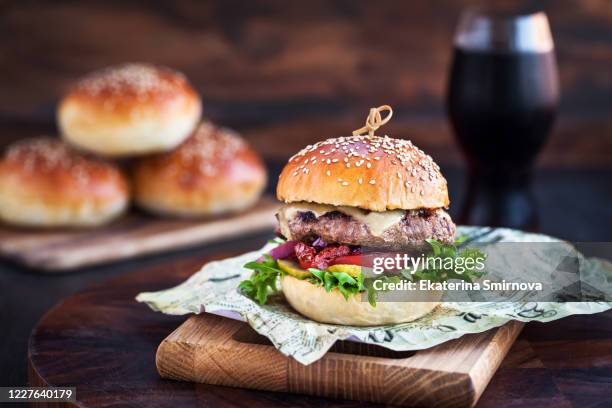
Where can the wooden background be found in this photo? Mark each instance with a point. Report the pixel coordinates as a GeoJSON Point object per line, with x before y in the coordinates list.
{"type": "Point", "coordinates": [289, 73]}
{"type": "Point", "coordinates": [286, 73]}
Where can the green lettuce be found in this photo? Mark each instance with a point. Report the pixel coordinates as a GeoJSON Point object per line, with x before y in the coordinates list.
{"type": "Point", "coordinates": [263, 281]}
{"type": "Point", "coordinates": [448, 271]}
{"type": "Point", "coordinates": [345, 283]}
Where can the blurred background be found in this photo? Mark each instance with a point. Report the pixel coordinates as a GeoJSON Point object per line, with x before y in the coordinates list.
{"type": "Point", "coordinates": [288, 74]}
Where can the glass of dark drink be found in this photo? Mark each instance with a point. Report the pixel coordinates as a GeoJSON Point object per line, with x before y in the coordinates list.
{"type": "Point", "coordinates": [503, 93]}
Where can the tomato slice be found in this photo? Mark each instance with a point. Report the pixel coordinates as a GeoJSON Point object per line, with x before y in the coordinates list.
{"type": "Point", "coordinates": [348, 260]}
{"type": "Point", "coordinates": [361, 259]}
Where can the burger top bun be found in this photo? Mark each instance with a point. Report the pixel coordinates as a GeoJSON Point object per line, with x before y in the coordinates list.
{"type": "Point", "coordinates": [315, 303]}
{"type": "Point", "coordinates": [129, 109]}
{"type": "Point", "coordinates": [370, 172]}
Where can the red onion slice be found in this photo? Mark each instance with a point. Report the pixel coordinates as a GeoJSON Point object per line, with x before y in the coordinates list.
{"type": "Point", "coordinates": [283, 250]}
{"type": "Point", "coordinates": [319, 243]}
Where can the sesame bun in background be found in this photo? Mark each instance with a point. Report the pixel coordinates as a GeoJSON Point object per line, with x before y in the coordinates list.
{"type": "Point", "coordinates": [45, 183]}
{"type": "Point", "coordinates": [213, 172]}
{"type": "Point", "coordinates": [370, 172]}
{"type": "Point", "coordinates": [130, 109]}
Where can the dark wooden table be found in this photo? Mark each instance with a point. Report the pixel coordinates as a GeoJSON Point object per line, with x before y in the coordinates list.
{"type": "Point", "coordinates": [566, 363]}
{"type": "Point", "coordinates": [103, 343]}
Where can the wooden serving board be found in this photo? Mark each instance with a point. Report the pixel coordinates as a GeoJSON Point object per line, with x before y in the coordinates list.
{"type": "Point", "coordinates": [215, 350]}
{"type": "Point", "coordinates": [133, 235]}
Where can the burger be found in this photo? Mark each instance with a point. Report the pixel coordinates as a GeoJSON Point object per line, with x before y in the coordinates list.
{"type": "Point", "coordinates": [342, 197]}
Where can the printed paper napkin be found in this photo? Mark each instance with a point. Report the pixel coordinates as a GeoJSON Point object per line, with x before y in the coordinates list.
{"type": "Point", "coordinates": [213, 290]}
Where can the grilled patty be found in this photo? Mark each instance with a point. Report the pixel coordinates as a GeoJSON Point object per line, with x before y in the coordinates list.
{"type": "Point", "coordinates": [408, 233]}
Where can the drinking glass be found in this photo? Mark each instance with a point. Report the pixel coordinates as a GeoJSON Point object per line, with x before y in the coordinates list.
{"type": "Point", "coordinates": [503, 93]}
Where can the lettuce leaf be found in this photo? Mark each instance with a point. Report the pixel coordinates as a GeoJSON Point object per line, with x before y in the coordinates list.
{"type": "Point", "coordinates": [345, 283]}
{"type": "Point", "coordinates": [444, 254]}
{"type": "Point", "coordinates": [263, 282]}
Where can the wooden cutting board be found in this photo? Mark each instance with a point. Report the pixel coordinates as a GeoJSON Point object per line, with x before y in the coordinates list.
{"type": "Point", "coordinates": [215, 350]}
{"type": "Point", "coordinates": [133, 235]}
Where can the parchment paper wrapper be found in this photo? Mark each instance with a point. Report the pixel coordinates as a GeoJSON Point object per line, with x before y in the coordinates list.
{"type": "Point", "coordinates": [213, 290]}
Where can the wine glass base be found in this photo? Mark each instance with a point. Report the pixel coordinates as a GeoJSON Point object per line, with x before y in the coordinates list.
{"type": "Point", "coordinates": [511, 208]}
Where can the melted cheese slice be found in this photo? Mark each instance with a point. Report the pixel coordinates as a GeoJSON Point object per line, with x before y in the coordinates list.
{"type": "Point", "coordinates": [377, 222]}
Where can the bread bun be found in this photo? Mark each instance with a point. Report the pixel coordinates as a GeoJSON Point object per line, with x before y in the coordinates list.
{"type": "Point", "coordinates": [45, 183]}
{"type": "Point", "coordinates": [330, 307]}
{"type": "Point", "coordinates": [129, 109]}
{"type": "Point", "coordinates": [370, 172]}
{"type": "Point", "coordinates": [212, 172]}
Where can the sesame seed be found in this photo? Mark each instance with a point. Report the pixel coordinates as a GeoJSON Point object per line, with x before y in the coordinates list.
{"type": "Point", "coordinates": [372, 181]}
{"type": "Point", "coordinates": [328, 173]}
{"type": "Point", "coordinates": [345, 183]}
{"type": "Point", "coordinates": [51, 154]}
{"type": "Point", "coordinates": [367, 148]}
{"type": "Point", "coordinates": [348, 165]}
{"type": "Point", "coordinates": [208, 142]}
{"type": "Point", "coordinates": [360, 180]}
{"type": "Point", "coordinates": [141, 79]}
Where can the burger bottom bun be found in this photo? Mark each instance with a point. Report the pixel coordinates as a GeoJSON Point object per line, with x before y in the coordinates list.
{"type": "Point", "coordinates": [21, 206]}
{"type": "Point", "coordinates": [330, 307]}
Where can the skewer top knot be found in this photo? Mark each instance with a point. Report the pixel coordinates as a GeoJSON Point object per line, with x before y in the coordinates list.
{"type": "Point", "coordinates": [374, 120]}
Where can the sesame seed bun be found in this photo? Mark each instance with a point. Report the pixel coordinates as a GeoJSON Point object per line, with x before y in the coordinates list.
{"type": "Point", "coordinates": [369, 172]}
{"type": "Point", "coordinates": [330, 307]}
{"type": "Point", "coordinates": [45, 183]}
{"type": "Point", "coordinates": [212, 172]}
{"type": "Point", "coordinates": [129, 109]}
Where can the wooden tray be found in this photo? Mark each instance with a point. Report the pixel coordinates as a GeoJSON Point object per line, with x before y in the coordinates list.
{"type": "Point", "coordinates": [214, 350]}
{"type": "Point", "coordinates": [133, 235]}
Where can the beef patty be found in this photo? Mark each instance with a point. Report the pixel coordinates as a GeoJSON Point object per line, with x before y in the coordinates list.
{"type": "Point", "coordinates": [409, 232]}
